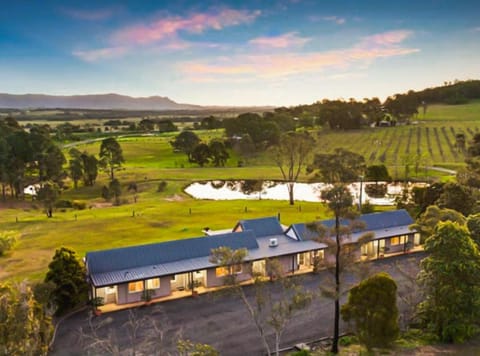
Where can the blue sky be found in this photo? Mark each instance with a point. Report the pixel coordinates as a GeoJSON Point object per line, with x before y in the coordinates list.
{"type": "Point", "coordinates": [248, 52]}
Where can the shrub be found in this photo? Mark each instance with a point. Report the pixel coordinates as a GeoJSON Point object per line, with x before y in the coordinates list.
{"type": "Point", "coordinates": [162, 186]}
{"type": "Point", "coordinates": [65, 204]}
{"type": "Point", "coordinates": [347, 340]}
{"type": "Point", "coordinates": [372, 307]}
{"type": "Point", "coordinates": [79, 205]}
{"type": "Point", "coordinates": [7, 241]}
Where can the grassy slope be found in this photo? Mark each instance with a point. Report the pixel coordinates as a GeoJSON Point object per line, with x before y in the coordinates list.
{"type": "Point", "coordinates": [159, 217]}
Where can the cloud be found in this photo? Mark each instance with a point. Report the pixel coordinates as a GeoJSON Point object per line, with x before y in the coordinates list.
{"type": "Point", "coordinates": [335, 19]}
{"type": "Point", "coordinates": [290, 39]}
{"type": "Point", "coordinates": [386, 38]}
{"type": "Point", "coordinates": [99, 54]}
{"type": "Point", "coordinates": [171, 26]}
{"type": "Point", "coordinates": [476, 29]}
{"type": "Point", "coordinates": [90, 15]}
{"type": "Point", "coordinates": [369, 48]}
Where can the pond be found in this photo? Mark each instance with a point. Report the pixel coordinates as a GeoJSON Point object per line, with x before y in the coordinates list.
{"type": "Point", "coordinates": [254, 190]}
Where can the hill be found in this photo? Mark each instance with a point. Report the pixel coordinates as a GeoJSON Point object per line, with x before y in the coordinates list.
{"type": "Point", "coordinates": [94, 101]}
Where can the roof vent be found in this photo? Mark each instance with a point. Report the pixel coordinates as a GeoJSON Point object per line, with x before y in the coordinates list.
{"type": "Point", "coordinates": [273, 242]}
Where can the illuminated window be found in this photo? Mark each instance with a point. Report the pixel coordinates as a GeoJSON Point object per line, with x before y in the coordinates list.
{"type": "Point", "coordinates": [153, 283]}
{"type": "Point", "coordinates": [221, 271]}
{"type": "Point", "coordinates": [198, 273]}
{"type": "Point", "coordinates": [134, 287]}
{"type": "Point", "coordinates": [395, 241]}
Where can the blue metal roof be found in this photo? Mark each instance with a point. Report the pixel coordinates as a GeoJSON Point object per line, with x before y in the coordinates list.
{"type": "Point", "coordinates": [262, 227]}
{"type": "Point", "coordinates": [160, 253]}
{"type": "Point", "coordinates": [375, 221]}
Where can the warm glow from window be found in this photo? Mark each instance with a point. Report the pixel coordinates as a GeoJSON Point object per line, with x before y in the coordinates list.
{"type": "Point", "coordinates": [134, 287]}
{"type": "Point", "coordinates": [221, 271]}
{"type": "Point", "coordinates": [394, 241]}
{"type": "Point", "coordinates": [153, 283]}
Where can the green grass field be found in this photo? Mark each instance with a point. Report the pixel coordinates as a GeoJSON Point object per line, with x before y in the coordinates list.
{"type": "Point", "coordinates": [172, 214]}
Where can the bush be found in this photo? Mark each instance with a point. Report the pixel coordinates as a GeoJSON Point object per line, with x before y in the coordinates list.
{"type": "Point", "coordinates": [162, 186]}
{"type": "Point", "coordinates": [347, 340]}
{"type": "Point", "coordinates": [79, 205]}
{"type": "Point", "coordinates": [300, 353]}
{"type": "Point", "coordinates": [65, 204]}
{"type": "Point", "coordinates": [7, 241]}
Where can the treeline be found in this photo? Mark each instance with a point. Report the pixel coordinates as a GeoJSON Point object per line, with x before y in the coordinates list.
{"type": "Point", "coordinates": [27, 157]}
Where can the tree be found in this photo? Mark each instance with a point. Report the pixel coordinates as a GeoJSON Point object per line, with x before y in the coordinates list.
{"type": "Point", "coordinates": [340, 166]}
{"type": "Point", "coordinates": [115, 190]}
{"type": "Point", "coordinates": [186, 142]}
{"type": "Point", "coordinates": [25, 329]}
{"type": "Point", "coordinates": [450, 278]}
{"type": "Point", "coordinates": [291, 155]}
{"type": "Point", "coordinates": [146, 125]}
{"type": "Point", "coordinates": [377, 173]}
{"type": "Point", "coordinates": [48, 194]}
{"type": "Point", "coordinates": [372, 307]}
{"type": "Point", "coordinates": [111, 156]}
{"type": "Point", "coordinates": [458, 197]}
{"type": "Point", "coordinates": [68, 275]}
{"type": "Point", "coordinates": [201, 154]}
{"type": "Point", "coordinates": [426, 222]}
{"type": "Point", "coordinates": [7, 241]}
{"type": "Point", "coordinates": [473, 224]}
{"type": "Point", "coordinates": [218, 153]}
{"type": "Point", "coordinates": [90, 169]}
{"type": "Point", "coordinates": [75, 166]}
{"type": "Point", "coordinates": [340, 202]}
{"type": "Point", "coordinates": [266, 310]}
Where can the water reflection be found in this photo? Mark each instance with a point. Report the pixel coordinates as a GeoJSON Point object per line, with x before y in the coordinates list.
{"type": "Point", "coordinates": [258, 189]}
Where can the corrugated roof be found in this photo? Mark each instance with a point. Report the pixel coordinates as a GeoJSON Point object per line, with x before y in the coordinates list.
{"type": "Point", "coordinates": [165, 252]}
{"type": "Point", "coordinates": [385, 223]}
{"type": "Point", "coordinates": [262, 227]}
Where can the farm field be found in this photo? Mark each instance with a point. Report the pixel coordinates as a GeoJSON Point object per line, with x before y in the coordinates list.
{"type": "Point", "coordinates": [171, 214]}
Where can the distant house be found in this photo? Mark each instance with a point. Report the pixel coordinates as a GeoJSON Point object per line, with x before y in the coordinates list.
{"type": "Point", "coordinates": [121, 275]}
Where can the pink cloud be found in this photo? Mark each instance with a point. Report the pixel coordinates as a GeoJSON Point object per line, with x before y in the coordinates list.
{"type": "Point", "coordinates": [290, 39]}
{"type": "Point", "coordinates": [386, 38]}
{"type": "Point", "coordinates": [336, 19]}
{"type": "Point", "coordinates": [99, 54]}
{"type": "Point", "coordinates": [90, 15]}
{"type": "Point", "coordinates": [171, 26]}
{"type": "Point", "coordinates": [279, 65]}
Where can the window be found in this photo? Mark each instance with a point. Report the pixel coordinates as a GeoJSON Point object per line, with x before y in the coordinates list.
{"type": "Point", "coordinates": [153, 283]}
{"type": "Point", "coordinates": [237, 269]}
{"type": "Point", "coordinates": [395, 241]}
{"type": "Point", "coordinates": [221, 271]}
{"type": "Point", "coordinates": [301, 259]}
{"type": "Point", "coordinates": [174, 278]}
{"type": "Point", "coordinates": [134, 287]}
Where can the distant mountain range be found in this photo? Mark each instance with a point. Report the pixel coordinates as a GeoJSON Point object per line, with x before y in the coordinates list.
{"type": "Point", "coordinates": [95, 101]}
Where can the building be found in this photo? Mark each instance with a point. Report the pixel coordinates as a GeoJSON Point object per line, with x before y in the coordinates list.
{"type": "Point", "coordinates": [125, 275]}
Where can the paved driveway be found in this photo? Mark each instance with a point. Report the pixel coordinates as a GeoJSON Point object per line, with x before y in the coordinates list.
{"type": "Point", "coordinates": [218, 319]}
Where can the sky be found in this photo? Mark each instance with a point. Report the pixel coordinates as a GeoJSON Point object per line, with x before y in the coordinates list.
{"type": "Point", "coordinates": [237, 53]}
